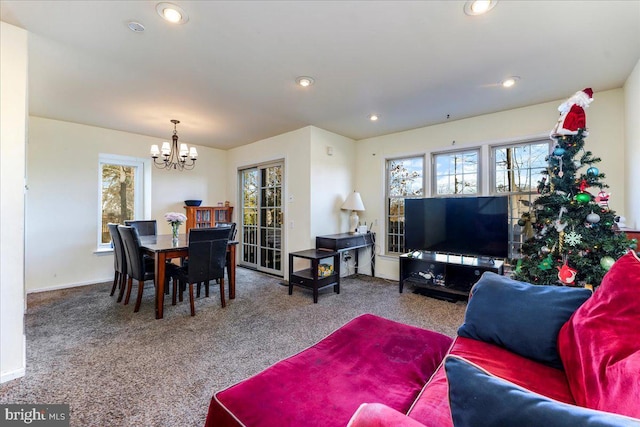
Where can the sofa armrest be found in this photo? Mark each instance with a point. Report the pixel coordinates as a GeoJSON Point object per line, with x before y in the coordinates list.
{"type": "Point", "coordinates": [379, 415]}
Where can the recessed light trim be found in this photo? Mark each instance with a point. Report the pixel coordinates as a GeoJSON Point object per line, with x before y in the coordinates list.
{"type": "Point", "coordinates": [510, 81]}
{"type": "Point", "coordinates": [172, 13]}
{"type": "Point", "coordinates": [305, 81]}
{"type": "Point", "coordinates": [136, 27]}
{"type": "Point", "coordinates": [479, 7]}
{"type": "Point", "coordinates": [374, 117]}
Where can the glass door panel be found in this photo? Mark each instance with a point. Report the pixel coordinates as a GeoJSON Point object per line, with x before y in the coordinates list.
{"type": "Point", "coordinates": [262, 217]}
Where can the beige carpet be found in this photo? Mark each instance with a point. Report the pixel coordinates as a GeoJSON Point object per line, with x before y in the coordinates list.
{"type": "Point", "coordinates": [119, 368]}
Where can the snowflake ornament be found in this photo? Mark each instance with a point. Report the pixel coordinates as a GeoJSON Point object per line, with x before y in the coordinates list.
{"type": "Point", "coordinates": [573, 239]}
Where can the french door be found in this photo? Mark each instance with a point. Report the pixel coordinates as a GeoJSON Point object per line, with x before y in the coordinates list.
{"type": "Point", "coordinates": [260, 218]}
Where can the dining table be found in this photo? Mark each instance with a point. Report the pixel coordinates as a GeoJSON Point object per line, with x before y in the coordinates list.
{"type": "Point", "coordinates": [164, 247]}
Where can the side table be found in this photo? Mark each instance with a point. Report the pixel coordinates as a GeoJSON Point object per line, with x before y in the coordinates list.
{"type": "Point", "coordinates": [310, 277]}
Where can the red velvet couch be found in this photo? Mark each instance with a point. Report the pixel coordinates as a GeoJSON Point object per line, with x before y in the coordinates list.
{"type": "Point", "coordinates": [526, 355]}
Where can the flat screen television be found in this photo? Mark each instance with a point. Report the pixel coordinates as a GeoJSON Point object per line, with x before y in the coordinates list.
{"type": "Point", "coordinates": [475, 226]}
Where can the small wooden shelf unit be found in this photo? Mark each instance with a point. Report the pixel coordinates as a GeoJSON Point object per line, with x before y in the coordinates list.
{"type": "Point", "coordinates": [207, 216]}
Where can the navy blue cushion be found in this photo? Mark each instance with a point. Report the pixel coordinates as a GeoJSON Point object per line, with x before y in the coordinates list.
{"type": "Point", "coordinates": [479, 399]}
{"type": "Point", "coordinates": [519, 316]}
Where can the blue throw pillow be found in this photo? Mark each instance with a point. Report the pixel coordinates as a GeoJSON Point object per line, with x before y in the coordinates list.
{"type": "Point", "coordinates": [519, 316]}
{"type": "Point", "coordinates": [479, 399]}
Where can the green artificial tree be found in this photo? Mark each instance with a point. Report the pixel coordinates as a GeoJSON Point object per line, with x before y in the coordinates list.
{"type": "Point", "coordinates": [573, 238]}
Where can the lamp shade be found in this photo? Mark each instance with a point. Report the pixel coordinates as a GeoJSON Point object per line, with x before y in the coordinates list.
{"type": "Point", "coordinates": [353, 202]}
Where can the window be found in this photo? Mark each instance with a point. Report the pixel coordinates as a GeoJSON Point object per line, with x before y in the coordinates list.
{"type": "Point", "coordinates": [517, 170]}
{"type": "Point", "coordinates": [121, 193]}
{"type": "Point", "coordinates": [405, 179]}
{"type": "Point", "coordinates": [456, 172]}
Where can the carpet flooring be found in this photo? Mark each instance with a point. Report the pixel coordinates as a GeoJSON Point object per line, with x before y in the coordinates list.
{"type": "Point", "coordinates": [115, 367]}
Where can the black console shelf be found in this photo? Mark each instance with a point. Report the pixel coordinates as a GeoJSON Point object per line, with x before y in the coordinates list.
{"type": "Point", "coordinates": [444, 276]}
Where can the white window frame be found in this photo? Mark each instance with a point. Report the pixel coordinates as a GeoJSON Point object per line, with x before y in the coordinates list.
{"type": "Point", "coordinates": [434, 172]}
{"type": "Point", "coordinates": [388, 195]}
{"type": "Point", "coordinates": [527, 197]}
{"type": "Point", "coordinates": [142, 187]}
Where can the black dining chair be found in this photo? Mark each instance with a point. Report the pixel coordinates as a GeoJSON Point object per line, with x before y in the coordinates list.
{"type": "Point", "coordinates": [119, 261]}
{"type": "Point", "coordinates": [232, 238]}
{"type": "Point", "coordinates": [207, 256]}
{"type": "Point", "coordinates": [139, 267]}
{"type": "Point", "coordinates": [145, 227]}
{"type": "Point", "coordinates": [232, 229]}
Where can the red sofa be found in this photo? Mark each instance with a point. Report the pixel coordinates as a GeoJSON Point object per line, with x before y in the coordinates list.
{"type": "Point", "coordinates": [525, 355]}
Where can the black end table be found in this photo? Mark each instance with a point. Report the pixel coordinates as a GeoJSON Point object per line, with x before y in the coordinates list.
{"type": "Point", "coordinates": [311, 278]}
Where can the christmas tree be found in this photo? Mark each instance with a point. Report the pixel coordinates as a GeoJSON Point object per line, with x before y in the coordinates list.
{"type": "Point", "coordinates": [573, 238]}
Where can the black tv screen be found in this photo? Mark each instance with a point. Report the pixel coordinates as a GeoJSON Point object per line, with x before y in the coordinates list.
{"type": "Point", "coordinates": [462, 225]}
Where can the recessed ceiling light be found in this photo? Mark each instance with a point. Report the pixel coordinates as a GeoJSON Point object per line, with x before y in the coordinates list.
{"type": "Point", "coordinates": [509, 82]}
{"type": "Point", "coordinates": [172, 13]}
{"type": "Point", "coordinates": [373, 117]}
{"type": "Point", "coordinates": [479, 7]}
{"type": "Point", "coordinates": [305, 81]}
{"type": "Point", "coordinates": [136, 27]}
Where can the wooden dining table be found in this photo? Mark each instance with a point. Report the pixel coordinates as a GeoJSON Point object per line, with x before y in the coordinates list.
{"type": "Point", "coordinates": [163, 248]}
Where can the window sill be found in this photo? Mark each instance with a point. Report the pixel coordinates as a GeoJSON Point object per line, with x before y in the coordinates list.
{"type": "Point", "coordinates": [103, 251]}
{"type": "Point", "coordinates": [389, 256]}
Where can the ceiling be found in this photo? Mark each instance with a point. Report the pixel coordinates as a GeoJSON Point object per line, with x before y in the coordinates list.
{"type": "Point", "coordinates": [228, 74]}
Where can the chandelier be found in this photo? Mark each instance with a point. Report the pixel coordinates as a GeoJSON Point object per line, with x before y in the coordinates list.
{"type": "Point", "coordinates": [172, 158]}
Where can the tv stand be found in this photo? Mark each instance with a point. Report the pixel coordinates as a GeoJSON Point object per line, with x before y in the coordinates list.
{"type": "Point", "coordinates": [444, 276]}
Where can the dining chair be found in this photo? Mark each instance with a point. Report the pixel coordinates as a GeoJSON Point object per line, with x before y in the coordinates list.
{"type": "Point", "coordinates": [145, 227]}
{"type": "Point", "coordinates": [119, 261]}
{"type": "Point", "coordinates": [207, 256]}
{"type": "Point", "coordinates": [231, 226]}
{"type": "Point", "coordinates": [139, 267]}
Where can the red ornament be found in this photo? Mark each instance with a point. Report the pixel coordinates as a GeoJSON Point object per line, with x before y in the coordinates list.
{"type": "Point", "coordinates": [566, 274]}
{"type": "Point", "coordinates": [583, 184]}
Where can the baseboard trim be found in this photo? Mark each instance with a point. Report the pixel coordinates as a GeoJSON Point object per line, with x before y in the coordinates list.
{"type": "Point", "coordinates": [12, 375]}
{"type": "Point", "coordinates": [67, 286]}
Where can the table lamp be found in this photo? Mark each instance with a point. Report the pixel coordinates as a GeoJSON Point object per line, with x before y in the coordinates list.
{"type": "Point", "coordinates": [354, 204]}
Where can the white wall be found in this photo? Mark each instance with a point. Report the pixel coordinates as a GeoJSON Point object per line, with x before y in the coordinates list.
{"type": "Point", "coordinates": [332, 179]}
{"type": "Point", "coordinates": [315, 183]}
{"type": "Point", "coordinates": [13, 126]}
{"type": "Point", "coordinates": [62, 201]}
{"type": "Point", "coordinates": [294, 149]}
{"type": "Point", "coordinates": [606, 140]}
{"type": "Point", "coordinates": [632, 137]}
